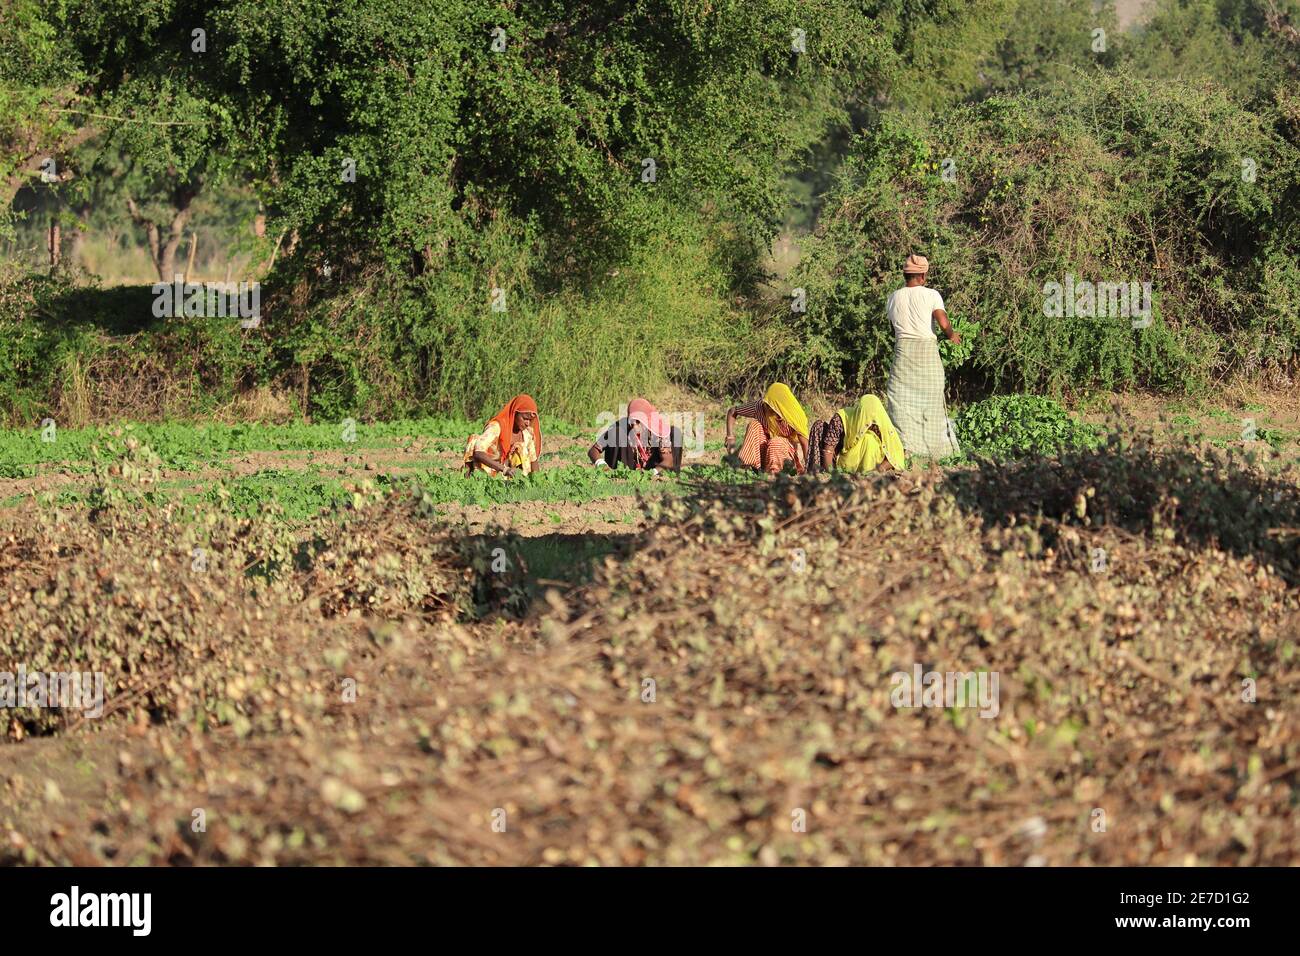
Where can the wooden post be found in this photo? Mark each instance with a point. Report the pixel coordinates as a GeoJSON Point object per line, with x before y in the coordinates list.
{"type": "Point", "coordinates": [194, 244]}
{"type": "Point", "coordinates": [55, 241]}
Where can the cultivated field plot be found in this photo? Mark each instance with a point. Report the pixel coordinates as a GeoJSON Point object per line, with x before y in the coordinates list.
{"type": "Point", "coordinates": [318, 651]}
{"type": "Point", "coordinates": [301, 469]}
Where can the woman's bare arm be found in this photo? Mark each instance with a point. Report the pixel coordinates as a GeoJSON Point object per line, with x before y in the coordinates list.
{"type": "Point", "coordinates": [752, 410]}
{"type": "Point", "coordinates": [483, 458]}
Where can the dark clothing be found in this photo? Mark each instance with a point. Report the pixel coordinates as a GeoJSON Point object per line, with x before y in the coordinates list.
{"type": "Point", "coordinates": [661, 449]}
{"type": "Point", "coordinates": [822, 437]}
{"type": "Point", "coordinates": [659, 457]}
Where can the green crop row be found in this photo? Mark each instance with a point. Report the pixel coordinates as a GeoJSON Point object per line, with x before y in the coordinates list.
{"type": "Point", "coordinates": [185, 445]}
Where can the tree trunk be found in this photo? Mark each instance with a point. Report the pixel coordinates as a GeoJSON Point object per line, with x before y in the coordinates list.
{"type": "Point", "coordinates": [275, 252]}
{"type": "Point", "coordinates": [167, 260]}
{"type": "Point", "coordinates": [55, 243]}
{"type": "Point", "coordinates": [162, 248]}
{"type": "Point", "coordinates": [77, 248]}
{"type": "Point", "coordinates": [150, 231]}
{"type": "Point", "coordinates": [194, 245]}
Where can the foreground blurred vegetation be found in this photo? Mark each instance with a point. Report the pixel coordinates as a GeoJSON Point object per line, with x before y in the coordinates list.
{"type": "Point", "coordinates": [230, 631]}
{"type": "Point", "coordinates": [447, 206]}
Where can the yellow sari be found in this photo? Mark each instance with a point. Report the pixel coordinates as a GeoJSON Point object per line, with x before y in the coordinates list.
{"type": "Point", "coordinates": [781, 401]}
{"type": "Point", "coordinates": [865, 448]}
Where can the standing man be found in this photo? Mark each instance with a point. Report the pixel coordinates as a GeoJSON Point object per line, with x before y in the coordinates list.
{"type": "Point", "coordinates": [915, 393]}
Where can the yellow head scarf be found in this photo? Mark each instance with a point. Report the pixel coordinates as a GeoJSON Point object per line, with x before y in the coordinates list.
{"type": "Point", "coordinates": [780, 401]}
{"type": "Point", "coordinates": [863, 451]}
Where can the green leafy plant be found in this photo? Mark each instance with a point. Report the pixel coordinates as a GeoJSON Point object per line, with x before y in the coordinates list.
{"type": "Point", "coordinates": [1010, 426]}
{"type": "Point", "coordinates": [954, 356]}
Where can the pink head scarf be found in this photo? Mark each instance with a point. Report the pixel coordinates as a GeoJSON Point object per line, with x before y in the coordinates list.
{"type": "Point", "coordinates": [641, 411]}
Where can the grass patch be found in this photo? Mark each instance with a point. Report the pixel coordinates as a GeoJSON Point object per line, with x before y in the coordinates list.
{"type": "Point", "coordinates": [570, 558]}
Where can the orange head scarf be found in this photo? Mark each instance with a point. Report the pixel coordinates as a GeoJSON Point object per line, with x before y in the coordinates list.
{"type": "Point", "coordinates": [506, 419]}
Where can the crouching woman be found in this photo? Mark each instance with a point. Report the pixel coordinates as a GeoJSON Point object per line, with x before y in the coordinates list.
{"type": "Point", "coordinates": [858, 439]}
{"type": "Point", "coordinates": [510, 443]}
{"type": "Point", "coordinates": [777, 435]}
{"type": "Point", "coordinates": [640, 440]}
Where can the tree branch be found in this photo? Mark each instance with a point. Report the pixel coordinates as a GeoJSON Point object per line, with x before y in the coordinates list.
{"type": "Point", "coordinates": [131, 119]}
{"type": "Point", "coordinates": [33, 157]}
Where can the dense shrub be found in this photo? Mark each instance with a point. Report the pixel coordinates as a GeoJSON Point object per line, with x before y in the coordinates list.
{"type": "Point", "coordinates": [30, 354]}
{"type": "Point", "coordinates": [1107, 179]}
{"type": "Point", "coordinates": [436, 343]}
{"type": "Point", "coordinates": [411, 159]}
{"type": "Point", "coordinates": [1228, 42]}
{"type": "Point", "coordinates": [389, 346]}
{"type": "Point", "coordinates": [79, 354]}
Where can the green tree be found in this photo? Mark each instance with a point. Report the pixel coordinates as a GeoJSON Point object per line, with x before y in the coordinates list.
{"type": "Point", "coordinates": [432, 154]}
{"type": "Point", "coordinates": [40, 77]}
{"type": "Point", "coordinates": [1250, 46]}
